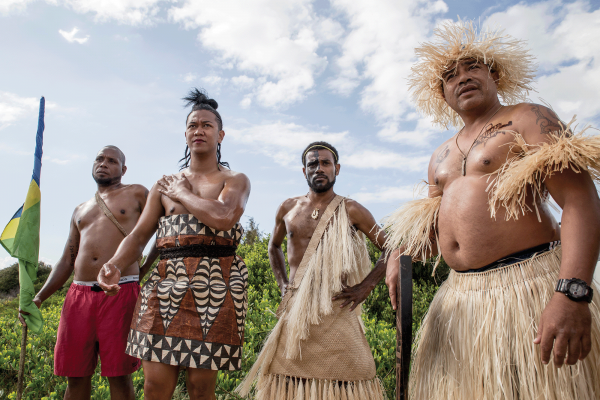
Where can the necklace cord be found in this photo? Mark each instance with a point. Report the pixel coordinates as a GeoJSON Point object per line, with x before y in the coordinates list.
{"type": "Point", "coordinates": [464, 163]}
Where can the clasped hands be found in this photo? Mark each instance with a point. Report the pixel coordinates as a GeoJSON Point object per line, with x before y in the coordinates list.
{"type": "Point", "coordinates": [174, 186]}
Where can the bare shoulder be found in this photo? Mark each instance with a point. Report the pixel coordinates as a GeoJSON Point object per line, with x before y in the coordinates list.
{"type": "Point", "coordinates": [356, 211]}
{"type": "Point", "coordinates": [236, 178]}
{"type": "Point", "coordinates": [288, 204]}
{"type": "Point", "coordinates": [535, 121]}
{"type": "Point", "coordinates": [440, 153]}
{"type": "Point", "coordinates": [138, 190]}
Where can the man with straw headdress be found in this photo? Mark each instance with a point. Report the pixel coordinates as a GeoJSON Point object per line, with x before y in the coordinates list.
{"type": "Point", "coordinates": [515, 294]}
{"type": "Point", "coordinates": [318, 349]}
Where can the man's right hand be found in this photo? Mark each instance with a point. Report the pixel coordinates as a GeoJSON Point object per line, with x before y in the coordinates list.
{"type": "Point", "coordinates": [108, 279]}
{"type": "Point", "coordinates": [391, 276]}
{"type": "Point", "coordinates": [35, 301]}
{"type": "Point", "coordinates": [283, 289]}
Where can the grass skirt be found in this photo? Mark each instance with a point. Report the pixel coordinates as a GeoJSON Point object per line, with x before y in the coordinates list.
{"type": "Point", "coordinates": [476, 341]}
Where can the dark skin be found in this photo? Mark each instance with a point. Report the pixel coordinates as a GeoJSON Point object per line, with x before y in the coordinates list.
{"type": "Point", "coordinates": [294, 219]}
{"type": "Point", "coordinates": [92, 240]}
{"type": "Point", "coordinates": [470, 238]}
{"type": "Point", "coordinates": [217, 197]}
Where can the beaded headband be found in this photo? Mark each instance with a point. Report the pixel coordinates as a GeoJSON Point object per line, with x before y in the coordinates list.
{"type": "Point", "coordinates": [320, 145]}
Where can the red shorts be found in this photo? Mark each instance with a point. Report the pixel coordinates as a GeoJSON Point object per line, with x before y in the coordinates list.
{"type": "Point", "coordinates": [92, 324]}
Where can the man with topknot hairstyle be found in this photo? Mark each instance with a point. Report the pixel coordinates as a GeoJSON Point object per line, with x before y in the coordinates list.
{"type": "Point", "coordinates": [191, 312]}
{"type": "Point", "coordinates": [514, 295]}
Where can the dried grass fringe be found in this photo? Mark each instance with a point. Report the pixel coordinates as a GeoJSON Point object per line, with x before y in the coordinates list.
{"type": "Point", "coordinates": [476, 341]}
{"type": "Point", "coordinates": [279, 387]}
{"type": "Point", "coordinates": [457, 41]}
{"type": "Point", "coordinates": [412, 225]}
{"type": "Point", "coordinates": [532, 164]}
{"type": "Point", "coordinates": [341, 253]}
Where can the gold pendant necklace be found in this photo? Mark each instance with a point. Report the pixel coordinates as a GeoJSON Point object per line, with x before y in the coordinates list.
{"type": "Point", "coordinates": [464, 161]}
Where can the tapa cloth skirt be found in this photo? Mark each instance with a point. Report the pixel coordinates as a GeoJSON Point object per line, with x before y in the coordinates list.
{"type": "Point", "coordinates": [191, 311]}
{"type": "Point", "coordinates": [476, 341]}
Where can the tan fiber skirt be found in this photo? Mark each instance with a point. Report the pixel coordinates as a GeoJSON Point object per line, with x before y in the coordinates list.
{"type": "Point", "coordinates": [335, 364]}
{"type": "Point", "coordinates": [476, 341]}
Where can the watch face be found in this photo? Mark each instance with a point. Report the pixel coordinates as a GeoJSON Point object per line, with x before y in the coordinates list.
{"type": "Point", "coordinates": [576, 290]}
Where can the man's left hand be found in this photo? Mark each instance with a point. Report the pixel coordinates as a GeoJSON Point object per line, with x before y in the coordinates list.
{"type": "Point", "coordinates": [354, 294]}
{"type": "Point", "coordinates": [566, 326]}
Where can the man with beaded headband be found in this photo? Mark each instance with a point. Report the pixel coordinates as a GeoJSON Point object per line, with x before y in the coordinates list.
{"type": "Point", "coordinates": [516, 299]}
{"type": "Point", "coordinates": [318, 349]}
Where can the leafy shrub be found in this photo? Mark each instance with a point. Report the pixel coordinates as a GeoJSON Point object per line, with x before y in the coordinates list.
{"type": "Point", "coordinates": [263, 299]}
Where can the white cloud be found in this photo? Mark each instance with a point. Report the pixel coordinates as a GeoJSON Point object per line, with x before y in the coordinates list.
{"type": "Point", "coordinates": [7, 261]}
{"type": "Point", "coordinates": [243, 81]}
{"type": "Point", "coordinates": [568, 55]}
{"type": "Point", "coordinates": [13, 107]}
{"type": "Point", "coordinates": [8, 6]}
{"type": "Point", "coordinates": [283, 142]}
{"type": "Point", "coordinates": [378, 158]}
{"type": "Point", "coordinates": [213, 80]}
{"type": "Point", "coordinates": [189, 77]}
{"type": "Point", "coordinates": [386, 195]}
{"type": "Point", "coordinates": [270, 39]}
{"type": "Point", "coordinates": [70, 36]}
{"type": "Point", "coordinates": [132, 12]}
{"type": "Point", "coordinates": [246, 102]}
{"type": "Point", "coordinates": [378, 51]}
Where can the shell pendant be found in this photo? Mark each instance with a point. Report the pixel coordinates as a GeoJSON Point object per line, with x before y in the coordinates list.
{"type": "Point", "coordinates": [315, 213]}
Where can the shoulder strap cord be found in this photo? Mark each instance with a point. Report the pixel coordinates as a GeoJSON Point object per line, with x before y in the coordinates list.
{"type": "Point", "coordinates": [110, 216]}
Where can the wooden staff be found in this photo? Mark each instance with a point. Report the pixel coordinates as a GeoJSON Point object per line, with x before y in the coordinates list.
{"type": "Point", "coordinates": [403, 327]}
{"type": "Point", "coordinates": [22, 359]}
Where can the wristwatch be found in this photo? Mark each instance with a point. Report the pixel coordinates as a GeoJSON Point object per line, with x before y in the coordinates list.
{"type": "Point", "coordinates": [575, 289]}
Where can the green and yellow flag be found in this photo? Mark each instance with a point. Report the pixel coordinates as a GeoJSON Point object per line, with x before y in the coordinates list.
{"type": "Point", "coordinates": [21, 237]}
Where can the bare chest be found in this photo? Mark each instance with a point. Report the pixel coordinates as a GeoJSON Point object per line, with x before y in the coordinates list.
{"type": "Point", "coordinates": [471, 157]}
{"type": "Point", "coordinates": [125, 209]}
{"type": "Point", "coordinates": [301, 223]}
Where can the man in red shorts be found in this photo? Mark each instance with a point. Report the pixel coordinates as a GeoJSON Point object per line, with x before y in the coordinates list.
{"type": "Point", "coordinates": [93, 324]}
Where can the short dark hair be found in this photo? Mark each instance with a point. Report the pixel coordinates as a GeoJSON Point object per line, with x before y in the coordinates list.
{"type": "Point", "coordinates": [118, 150]}
{"type": "Point", "coordinates": [320, 146]}
{"type": "Point", "coordinates": [199, 100]}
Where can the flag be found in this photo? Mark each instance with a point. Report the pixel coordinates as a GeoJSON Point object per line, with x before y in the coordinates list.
{"type": "Point", "coordinates": [21, 237]}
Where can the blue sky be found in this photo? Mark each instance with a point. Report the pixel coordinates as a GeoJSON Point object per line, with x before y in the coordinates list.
{"type": "Point", "coordinates": [285, 73]}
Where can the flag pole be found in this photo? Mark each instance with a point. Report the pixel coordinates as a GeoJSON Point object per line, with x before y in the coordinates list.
{"type": "Point", "coordinates": [22, 359]}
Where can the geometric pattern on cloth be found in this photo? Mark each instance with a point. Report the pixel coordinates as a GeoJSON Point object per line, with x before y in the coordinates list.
{"type": "Point", "coordinates": [209, 290]}
{"type": "Point", "coordinates": [172, 289]}
{"type": "Point", "coordinates": [184, 352]}
{"type": "Point", "coordinates": [187, 224]}
{"type": "Point", "coordinates": [146, 291]}
{"type": "Point", "coordinates": [238, 282]}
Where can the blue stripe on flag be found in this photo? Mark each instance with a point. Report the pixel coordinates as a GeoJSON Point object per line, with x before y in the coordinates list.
{"type": "Point", "coordinates": [39, 139]}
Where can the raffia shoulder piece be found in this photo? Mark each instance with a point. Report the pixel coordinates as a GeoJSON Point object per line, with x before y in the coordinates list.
{"type": "Point", "coordinates": [413, 225]}
{"type": "Point", "coordinates": [532, 164]}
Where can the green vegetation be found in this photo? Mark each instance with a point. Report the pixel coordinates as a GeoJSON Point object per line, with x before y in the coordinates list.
{"type": "Point", "coordinates": [263, 299]}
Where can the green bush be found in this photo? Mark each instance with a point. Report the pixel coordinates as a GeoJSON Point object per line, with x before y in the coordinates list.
{"type": "Point", "coordinates": [263, 299]}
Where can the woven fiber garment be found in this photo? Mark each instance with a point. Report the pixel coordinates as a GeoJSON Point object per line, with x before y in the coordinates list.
{"type": "Point", "coordinates": [476, 341]}
{"type": "Point", "coordinates": [191, 311]}
{"type": "Point", "coordinates": [317, 350]}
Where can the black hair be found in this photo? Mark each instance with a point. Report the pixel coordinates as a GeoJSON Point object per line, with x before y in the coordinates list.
{"type": "Point", "coordinates": [198, 99]}
{"type": "Point", "coordinates": [320, 146]}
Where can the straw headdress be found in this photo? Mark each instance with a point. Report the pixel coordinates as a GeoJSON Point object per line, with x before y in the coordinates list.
{"type": "Point", "coordinates": [460, 40]}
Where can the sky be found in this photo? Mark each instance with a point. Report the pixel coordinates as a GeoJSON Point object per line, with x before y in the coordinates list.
{"type": "Point", "coordinates": [285, 73]}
